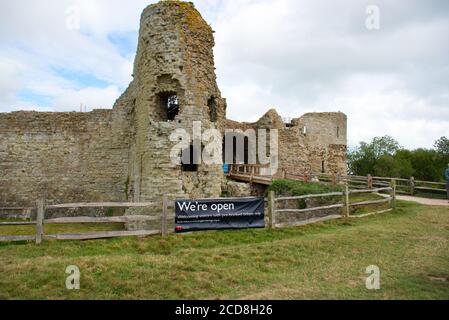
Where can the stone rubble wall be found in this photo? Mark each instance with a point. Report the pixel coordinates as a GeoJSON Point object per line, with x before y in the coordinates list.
{"type": "Point", "coordinates": [175, 55]}
{"type": "Point", "coordinates": [303, 151]}
{"type": "Point", "coordinates": [65, 157]}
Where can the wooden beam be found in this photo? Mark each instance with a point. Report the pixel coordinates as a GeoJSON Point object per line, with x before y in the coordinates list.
{"type": "Point", "coordinates": [393, 194]}
{"type": "Point", "coordinates": [164, 220]}
{"type": "Point", "coordinates": [271, 210]}
{"type": "Point", "coordinates": [16, 238]}
{"type": "Point", "coordinates": [82, 220]}
{"type": "Point", "coordinates": [307, 196]}
{"type": "Point", "coordinates": [364, 203]}
{"type": "Point", "coordinates": [429, 182]}
{"type": "Point", "coordinates": [101, 235]}
{"type": "Point", "coordinates": [370, 191]}
{"type": "Point", "coordinates": [39, 220]}
{"type": "Point", "coordinates": [18, 223]}
{"type": "Point", "coordinates": [371, 213]}
{"type": "Point", "coordinates": [104, 205]}
{"type": "Point", "coordinates": [429, 189]}
{"type": "Point", "coordinates": [309, 209]}
{"type": "Point", "coordinates": [308, 221]}
{"type": "Point", "coordinates": [346, 208]}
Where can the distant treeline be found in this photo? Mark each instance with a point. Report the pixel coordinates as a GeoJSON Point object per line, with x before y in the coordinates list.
{"type": "Point", "coordinates": [383, 156]}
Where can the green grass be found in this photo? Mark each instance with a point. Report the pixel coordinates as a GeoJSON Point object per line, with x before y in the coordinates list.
{"type": "Point", "coordinates": [58, 228]}
{"type": "Point", "coordinates": [299, 188]}
{"type": "Point", "coordinates": [286, 188]}
{"type": "Point", "coordinates": [322, 261]}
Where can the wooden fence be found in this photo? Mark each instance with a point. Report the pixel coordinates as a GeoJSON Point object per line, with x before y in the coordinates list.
{"type": "Point", "coordinates": [404, 186]}
{"type": "Point", "coordinates": [273, 211]}
{"type": "Point", "coordinates": [40, 221]}
{"type": "Point", "coordinates": [260, 174]}
{"type": "Point", "coordinates": [344, 205]}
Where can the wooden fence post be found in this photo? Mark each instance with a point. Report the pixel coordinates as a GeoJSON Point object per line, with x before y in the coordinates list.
{"type": "Point", "coordinates": [40, 220]}
{"type": "Point", "coordinates": [370, 181]}
{"type": "Point", "coordinates": [345, 208]}
{"type": "Point", "coordinates": [271, 210]}
{"type": "Point", "coordinates": [412, 186]}
{"type": "Point", "coordinates": [164, 224]}
{"type": "Point", "coordinates": [393, 194]}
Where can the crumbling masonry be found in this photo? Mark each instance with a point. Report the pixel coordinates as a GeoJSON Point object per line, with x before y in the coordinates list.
{"type": "Point", "coordinates": [123, 154]}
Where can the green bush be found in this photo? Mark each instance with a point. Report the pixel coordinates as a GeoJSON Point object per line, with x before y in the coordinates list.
{"type": "Point", "coordinates": [299, 188]}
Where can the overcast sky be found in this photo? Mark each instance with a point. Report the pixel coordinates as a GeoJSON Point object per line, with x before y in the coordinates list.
{"type": "Point", "coordinates": [296, 55]}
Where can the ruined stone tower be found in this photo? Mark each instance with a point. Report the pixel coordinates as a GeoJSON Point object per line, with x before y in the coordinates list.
{"type": "Point", "coordinates": [174, 85]}
{"type": "Point", "coordinates": [123, 154]}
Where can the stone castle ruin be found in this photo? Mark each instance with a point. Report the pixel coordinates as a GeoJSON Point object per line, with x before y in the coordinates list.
{"type": "Point", "coordinates": [123, 154]}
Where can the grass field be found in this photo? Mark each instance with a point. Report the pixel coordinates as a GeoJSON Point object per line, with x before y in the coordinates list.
{"type": "Point", "coordinates": [323, 261]}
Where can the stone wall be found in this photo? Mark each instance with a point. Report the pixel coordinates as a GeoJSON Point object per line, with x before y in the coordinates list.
{"type": "Point", "coordinates": [174, 57]}
{"type": "Point", "coordinates": [308, 144]}
{"type": "Point", "coordinates": [63, 156]}
{"type": "Point", "coordinates": [325, 134]}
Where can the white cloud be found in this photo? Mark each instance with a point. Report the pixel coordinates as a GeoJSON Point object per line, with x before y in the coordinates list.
{"type": "Point", "coordinates": [92, 98]}
{"type": "Point", "coordinates": [9, 82]}
{"type": "Point", "coordinates": [297, 56]}
{"type": "Point", "coordinates": [318, 56]}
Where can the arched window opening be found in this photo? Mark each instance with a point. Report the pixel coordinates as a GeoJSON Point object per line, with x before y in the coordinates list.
{"type": "Point", "coordinates": [169, 103]}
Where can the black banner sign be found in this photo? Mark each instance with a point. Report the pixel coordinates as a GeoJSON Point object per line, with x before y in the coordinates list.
{"type": "Point", "coordinates": [232, 213]}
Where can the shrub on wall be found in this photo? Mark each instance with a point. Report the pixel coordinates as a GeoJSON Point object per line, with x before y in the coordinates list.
{"type": "Point", "coordinates": [288, 188]}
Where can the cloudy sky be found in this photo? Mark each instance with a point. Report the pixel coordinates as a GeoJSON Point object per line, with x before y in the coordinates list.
{"type": "Point", "coordinates": [296, 55]}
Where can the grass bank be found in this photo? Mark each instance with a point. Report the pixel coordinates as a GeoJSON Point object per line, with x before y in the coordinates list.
{"type": "Point", "coordinates": [323, 261]}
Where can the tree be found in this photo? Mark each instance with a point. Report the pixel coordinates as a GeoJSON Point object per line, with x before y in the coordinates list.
{"type": "Point", "coordinates": [384, 157]}
{"type": "Point", "coordinates": [426, 165]}
{"type": "Point", "coordinates": [442, 149]}
{"type": "Point", "coordinates": [385, 145]}
{"type": "Point", "coordinates": [403, 163]}
{"type": "Point", "coordinates": [362, 160]}
{"type": "Point", "coordinates": [386, 167]}
{"type": "Point", "coordinates": [442, 146]}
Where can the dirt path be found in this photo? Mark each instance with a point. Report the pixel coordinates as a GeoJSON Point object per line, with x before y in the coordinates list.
{"type": "Point", "coordinates": [426, 201]}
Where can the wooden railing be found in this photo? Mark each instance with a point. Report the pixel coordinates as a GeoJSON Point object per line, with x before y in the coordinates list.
{"type": "Point", "coordinates": [251, 173]}
{"type": "Point", "coordinates": [404, 186]}
{"type": "Point", "coordinates": [274, 211]}
{"type": "Point", "coordinates": [41, 221]}
{"type": "Point", "coordinates": [344, 205]}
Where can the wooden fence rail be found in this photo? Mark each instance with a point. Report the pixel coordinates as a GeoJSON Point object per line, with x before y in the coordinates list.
{"type": "Point", "coordinates": [273, 212]}
{"type": "Point", "coordinates": [344, 204]}
{"type": "Point", "coordinates": [252, 173]}
{"type": "Point", "coordinates": [40, 221]}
